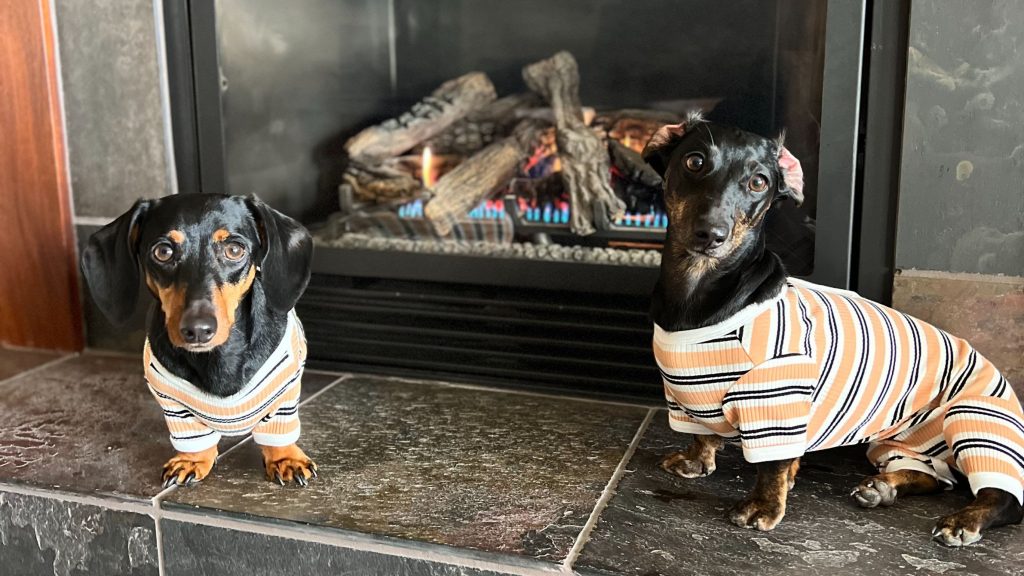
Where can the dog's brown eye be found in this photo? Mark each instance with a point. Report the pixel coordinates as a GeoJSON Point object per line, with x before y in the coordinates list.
{"type": "Point", "coordinates": [163, 252]}
{"type": "Point", "coordinates": [758, 183]}
{"type": "Point", "coordinates": [234, 251]}
{"type": "Point", "coordinates": [694, 161]}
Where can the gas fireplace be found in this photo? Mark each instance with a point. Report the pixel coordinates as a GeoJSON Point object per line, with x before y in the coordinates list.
{"type": "Point", "coordinates": [472, 173]}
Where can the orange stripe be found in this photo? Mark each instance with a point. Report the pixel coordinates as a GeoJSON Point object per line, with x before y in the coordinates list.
{"type": "Point", "coordinates": [672, 360]}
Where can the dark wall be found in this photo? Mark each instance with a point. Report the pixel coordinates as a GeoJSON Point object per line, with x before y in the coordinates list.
{"type": "Point", "coordinates": [961, 205]}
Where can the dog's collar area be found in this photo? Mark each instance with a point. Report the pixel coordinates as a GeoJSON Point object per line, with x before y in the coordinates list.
{"type": "Point", "coordinates": [704, 333]}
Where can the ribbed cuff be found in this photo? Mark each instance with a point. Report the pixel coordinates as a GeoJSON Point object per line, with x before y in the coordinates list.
{"type": "Point", "coordinates": [689, 427]}
{"type": "Point", "coordinates": [199, 444]}
{"type": "Point", "coordinates": [277, 440]}
{"type": "Point", "coordinates": [980, 480]}
{"type": "Point", "coordinates": [772, 453]}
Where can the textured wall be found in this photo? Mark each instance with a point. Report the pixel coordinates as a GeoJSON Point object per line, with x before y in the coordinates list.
{"type": "Point", "coordinates": [112, 104]}
{"type": "Point", "coordinates": [961, 205]}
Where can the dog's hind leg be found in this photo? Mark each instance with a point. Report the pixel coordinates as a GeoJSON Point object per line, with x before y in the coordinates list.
{"type": "Point", "coordinates": [991, 507]}
{"type": "Point", "coordinates": [697, 460]}
{"type": "Point", "coordinates": [883, 489]}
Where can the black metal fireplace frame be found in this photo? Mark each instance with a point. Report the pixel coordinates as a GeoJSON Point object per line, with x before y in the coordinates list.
{"type": "Point", "coordinates": [861, 120]}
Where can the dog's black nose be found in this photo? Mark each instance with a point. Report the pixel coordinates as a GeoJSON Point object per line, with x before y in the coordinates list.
{"type": "Point", "coordinates": [198, 328]}
{"type": "Point", "coordinates": [711, 236]}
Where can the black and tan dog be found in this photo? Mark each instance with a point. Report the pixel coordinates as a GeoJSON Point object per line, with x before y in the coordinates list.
{"type": "Point", "coordinates": [224, 351]}
{"type": "Point", "coordinates": [786, 367]}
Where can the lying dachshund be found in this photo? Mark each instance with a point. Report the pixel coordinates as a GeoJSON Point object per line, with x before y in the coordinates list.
{"type": "Point", "coordinates": [224, 351]}
{"type": "Point", "coordinates": [786, 367]}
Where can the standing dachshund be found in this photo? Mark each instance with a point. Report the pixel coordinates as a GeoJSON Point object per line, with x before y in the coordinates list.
{"type": "Point", "coordinates": [785, 366]}
{"type": "Point", "coordinates": [224, 351]}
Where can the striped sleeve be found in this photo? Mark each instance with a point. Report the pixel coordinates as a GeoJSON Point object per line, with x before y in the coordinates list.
{"type": "Point", "coordinates": [188, 434]}
{"type": "Point", "coordinates": [280, 427]}
{"type": "Point", "coordinates": [771, 406]}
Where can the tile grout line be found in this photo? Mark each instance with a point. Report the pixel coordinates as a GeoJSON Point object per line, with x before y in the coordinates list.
{"type": "Point", "coordinates": [111, 503]}
{"type": "Point", "coordinates": [411, 549]}
{"type": "Point", "coordinates": [40, 368]}
{"type": "Point", "coordinates": [606, 495]}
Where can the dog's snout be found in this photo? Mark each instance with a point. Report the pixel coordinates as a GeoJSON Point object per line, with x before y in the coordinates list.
{"type": "Point", "coordinates": [198, 324]}
{"type": "Point", "coordinates": [710, 235]}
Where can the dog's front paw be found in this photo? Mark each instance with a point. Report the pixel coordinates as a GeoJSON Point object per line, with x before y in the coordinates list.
{"type": "Point", "coordinates": [287, 463]}
{"type": "Point", "coordinates": [960, 529]}
{"type": "Point", "coordinates": [188, 468]}
{"type": "Point", "coordinates": [752, 512]}
{"type": "Point", "coordinates": [874, 491]}
{"type": "Point", "coordinates": [685, 465]}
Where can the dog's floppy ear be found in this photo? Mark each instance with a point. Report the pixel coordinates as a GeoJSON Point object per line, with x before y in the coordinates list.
{"type": "Point", "coordinates": [659, 148]}
{"type": "Point", "coordinates": [285, 256]}
{"type": "Point", "coordinates": [792, 184]}
{"type": "Point", "coordinates": [110, 264]}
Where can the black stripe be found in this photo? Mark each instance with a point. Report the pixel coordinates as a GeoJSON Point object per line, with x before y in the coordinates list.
{"type": "Point", "coordinates": [780, 330]}
{"type": "Point", "coordinates": [985, 444]}
{"type": "Point", "coordinates": [832, 344]}
{"type": "Point", "coordinates": [730, 337]}
{"type": "Point", "coordinates": [705, 413]}
{"type": "Point", "coordinates": [807, 326]}
{"type": "Point", "coordinates": [972, 363]}
{"type": "Point", "coordinates": [703, 378]}
{"type": "Point", "coordinates": [773, 431]}
{"type": "Point", "coordinates": [773, 393]}
{"type": "Point", "coordinates": [252, 413]}
{"type": "Point", "coordinates": [888, 377]}
{"type": "Point", "coordinates": [1000, 388]}
{"type": "Point", "coordinates": [985, 412]}
{"type": "Point", "coordinates": [936, 449]}
{"type": "Point", "coordinates": [911, 384]}
{"type": "Point", "coordinates": [194, 436]}
{"type": "Point", "coordinates": [858, 377]}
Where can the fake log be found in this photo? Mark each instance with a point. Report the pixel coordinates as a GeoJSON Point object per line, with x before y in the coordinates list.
{"type": "Point", "coordinates": [428, 117]}
{"type": "Point", "coordinates": [379, 184]}
{"type": "Point", "coordinates": [484, 126]}
{"type": "Point", "coordinates": [585, 167]}
{"type": "Point", "coordinates": [479, 176]}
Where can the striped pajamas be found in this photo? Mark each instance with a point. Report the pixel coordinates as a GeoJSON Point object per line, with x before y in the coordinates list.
{"type": "Point", "coordinates": [816, 368]}
{"type": "Point", "coordinates": [267, 406]}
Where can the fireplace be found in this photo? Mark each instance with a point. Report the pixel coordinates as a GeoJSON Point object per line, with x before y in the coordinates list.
{"type": "Point", "coordinates": [471, 169]}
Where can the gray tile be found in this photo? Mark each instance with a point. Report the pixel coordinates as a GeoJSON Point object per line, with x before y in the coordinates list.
{"type": "Point", "coordinates": [115, 130]}
{"type": "Point", "coordinates": [463, 467]}
{"type": "Point", "coordinates": [58, 538]}
{"type": "Point", "coordinates": [15, 361]}
{"type": "Point", "coordinates": [196, 550]}
{"type": "Point", "coordinates": [658, 524]}
{"type": "Point", "coordinates": [88, 425]}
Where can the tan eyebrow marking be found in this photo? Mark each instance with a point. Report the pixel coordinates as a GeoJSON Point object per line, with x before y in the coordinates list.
{"type": "Point", "coordinates": [177, 236]}
{"type": "Point", "coordinates": [221, 235]}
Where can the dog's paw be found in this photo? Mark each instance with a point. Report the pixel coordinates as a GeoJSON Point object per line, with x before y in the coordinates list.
{"type": "Point", "coordinates": [682, 464]}
{"type": "Point", "coordinates": [874, 491]}
{"type": "Point", "coordinates": [959, 529]}
{"type": "Point", "coordinates": [285, 464]}
{"type": "Point", "coordinates": [757, 513]}
{"type": "Point", "coordinates": [188, 468]}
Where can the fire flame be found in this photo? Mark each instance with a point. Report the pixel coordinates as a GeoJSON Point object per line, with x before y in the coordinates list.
{"type": "Point", "coordinates": [427, 168]}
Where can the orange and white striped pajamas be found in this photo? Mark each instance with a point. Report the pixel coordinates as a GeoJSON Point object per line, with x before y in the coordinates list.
{"type": "Point", "coordinates": [817, 367]}
{"type": "Point", "coordinates": [267, 406]}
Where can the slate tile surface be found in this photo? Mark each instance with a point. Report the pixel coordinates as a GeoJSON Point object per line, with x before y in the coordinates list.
{"type": "Point", "coordinates": [658, 524]}
{"type": "Point", "coordinates": [53, 537]}
{"type": "Point", "coordinates": [16, 361]}
{"type": "Point", "coordinates": [470, 468]}
{"type": "Point", "coordinates": [90, 425]}
{"type": "Point", "coordinates": [197, 550]}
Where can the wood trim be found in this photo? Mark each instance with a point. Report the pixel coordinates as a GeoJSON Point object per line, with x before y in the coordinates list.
{"type": "Point", "coordinates": [38, 273]}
